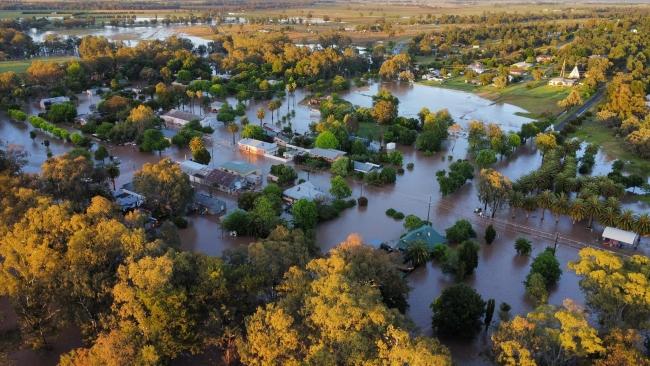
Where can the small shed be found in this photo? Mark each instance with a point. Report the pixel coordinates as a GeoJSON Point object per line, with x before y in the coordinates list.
{"type": "Point", "coordinates": [617, 237]}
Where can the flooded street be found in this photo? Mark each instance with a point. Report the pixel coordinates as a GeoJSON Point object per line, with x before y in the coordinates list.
{"type": "Point", "coordinates": [500, 272]}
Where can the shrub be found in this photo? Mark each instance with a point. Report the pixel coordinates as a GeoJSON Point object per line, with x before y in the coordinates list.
{"type": "Point", "coordinates": [460, 231]}
{"type": "Point", "coordinates": [362, 201]}
{"type": "Point", "coordinates": [523, 246]}
{"type": "Point", "coordinates": [398, 216]}
{"type": "Point", "coordinates": [410, 166]}
{"type": "Point", "coordinates": [490, 234]}
{"type": "Point", "coordinates": [391, 212]}
{"type": "Point", "coordinates": [180, 222]}
{"type": "Point", "coordinates": [547, 266]}
{"type": "Point", "coordinates": [17, 115]}
{"type": "Point", "coordinates": [440, 252]}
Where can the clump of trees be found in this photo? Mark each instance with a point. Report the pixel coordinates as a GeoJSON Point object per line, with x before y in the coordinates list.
{"type": "Point", "coordinates": [460, 172]}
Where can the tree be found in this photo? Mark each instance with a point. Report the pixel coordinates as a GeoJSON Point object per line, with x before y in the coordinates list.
{"type": "Point", "coordinates": [538, 74]}
{"type": "Point", "coordinates": [486, 158]}
{"type": "Point", "coordinates": [233, 128]}
{"type": "Point", "coordinates": [459, 232]}
{"type": "Point", "coordinates": [285, 174]}
{"type": "Point", "coordinates": [68, 176]}
{"type": "Point", "coordinates": [489, 313]}
{"type": "Point", "coordinates": [493, 189]}
{"type": "Point", "coordinates": [500, 81]}
{"type": "Point", "coordinates": [523, 246]}
{"type": "Point", "coordinates": [305, 214]}
{"type": "Point", "coordinates": [326, 140]}
{"type": "Point", "coordinates": [546, 265]}
{"type": "Point", "coordinates": [573, 99]}
{"type": "Point", "coordinates": [547, 336]}
{"type": "Point", "coordinates": [63, 112]}
{"type": "Point", "coordinates": [616, 288]}
{"type": "Point", "coordinates": [45, 73]}
{"type": "Point", "coordinates": [490, 234]}
{"type": "Point", "coordinates": [622, 348]}
{"type": "Point", "coordinates": [458, 311]}
{"type": "Point", "coordinates": [113, 172]}
{"type": "Point", "coordinates": [253, 132]}
{"type": "Point", "coordinates": [412, 222]}
{"type": "Point", "coordinates": [153, 140]}
{"type": "Point", "coordinates": [341, 166]}
{"type": "Point", "coordinates": [545, 142]}
{"type": "Point", "coordinates": [101, 153]}
{"type": "Point", "coordinates": [166, 188]}
{"type": "Point", "coordinates": [417, 253]}
{"type": "Point", "coordinates": [202, 156]}
{"type": "Point", "coordinates": [545, 200]}
{"type": "Point", "coordinates": [261, 114]}
{"type": "Point", "coordinates": [339, 188]}
{"type": "Point", "coordinates": [238, 221]}
{"type": "Point", "coordinates": [536, 289]}
{"type": "Point", "coordinates": [142, 115]}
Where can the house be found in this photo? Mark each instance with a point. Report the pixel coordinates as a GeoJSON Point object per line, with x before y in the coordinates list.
{"type": "Point", "coordinates": [306, 190]}
{"type": "Point", "coordinates": [477, 67]}
{"type": "Point", "coordinates": [242, 169]}
{"type": "Point", "coordinates": [179, 118]}
{"type": "Point", "coordinates": [48, 102]}
{"type": "Point", "coordinates": [617, 238]}
{"type": "Point", "coordinates": [424, 233]}
{"type": "Point", "coordinates": [575, 73]}
{"type": "Point", "coordinates": [225, 181]}
{"type": "Point", "coordinates": [326, 154]}
{"type": "Point", "coordinates": [209, 205]}
{"type": "Point", "coordinates": [560, 81]}
{"type": "Point", "coordinates": [127, 198]}
{"type": "Point", "coordinates": [523, 65]}
{"type": "Point", "coordinates": [364, 168]}
{"type": "Point", "coordinates": [197, 172]}
{"type": "Point", "coordinates": [543, 58]}
{"type": "Point", "coordinates": [257, 147]}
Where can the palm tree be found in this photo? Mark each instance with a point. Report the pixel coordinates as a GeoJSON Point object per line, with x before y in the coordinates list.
{"type": "Point", "coordinates": [593, 207]}
{"type": "Point", "coordinates": [273, 106]}
{"type": "Point", "coordinates": [233, 128]}
{"type": "Point", "coordinates": [578, 210]}
{"type": "Point", "coordinates": [418, 253]}
{"type": "Point", "coordinates": [190, 95]}
{"type": "Point", "coordinates": [545, 201]}
{"type": "Point", "coordinates": [642, 225]}
{"type": "Point", "coordinates": [614, 203]}
{"type": "Point", "coordinates": [608, 216]}
{"type": "Point", "coordinates": [516, 201]}
{"type": "Point", "coordinates": [530, 205]}
{"type": "Point", "coordinates": [560, 206]}
{"type": "Point", "coordinates": [626, 220]}
{"type": "Point", "coordinates": [261, 114]}
{"type": "Point", "coordinates": [113, 172]}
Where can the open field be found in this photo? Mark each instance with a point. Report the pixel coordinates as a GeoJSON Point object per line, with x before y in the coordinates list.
{"type": "Point", "coordinates": [534, 96]}
{"type": "Point", "coordinates": [593, 132]}
{"type": "Point", "coordinates": [20, 66]}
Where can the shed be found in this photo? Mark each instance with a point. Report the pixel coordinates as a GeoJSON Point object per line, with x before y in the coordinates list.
{"type": "Point", "coordinates": [617, 237]}
{"type": "Point", "coordinates": [424, 233]}
{"type": "Point", "coordinates": [365, 168]}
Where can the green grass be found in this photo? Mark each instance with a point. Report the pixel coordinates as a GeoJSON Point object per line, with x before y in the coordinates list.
{"type": "Point", "coordinates": [20, 66]}
{"type": "Point", "coordinates": [536, 97]}
{"type": "Point", "coordinates": [369, 130]}
{"type": "Point", "coordinates": [593, 132]}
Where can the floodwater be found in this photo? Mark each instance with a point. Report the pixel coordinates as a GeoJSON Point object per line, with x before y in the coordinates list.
{"type": "Point", "coordinates": [500, 272]}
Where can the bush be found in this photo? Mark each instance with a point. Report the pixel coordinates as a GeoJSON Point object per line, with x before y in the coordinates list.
{"type": "Point", "coordinates": [398, 216]}
{"type": "Point", "coordinates": [458, 311]}
{"type": "Point", "coordinates": [547, 266]}
{"type": "Point", "coordinates": [490, 234]}
{"type": "Point", "coordinates": [460, 231]}
{"type": "Point", "coordinates": [180, 222]}
{"type": "Point", "coordinates": [523, 246]}
{"type": "Point", "coordinates": [391, 212]}
{"type": "Point", "coordinates": [410, 166]}
{"type": "Point", "coordinates": [17, 115]}
{"type": "Point", "coordinates": [362, 201]}
{"type": "Point", "coordinates": [440, 253]}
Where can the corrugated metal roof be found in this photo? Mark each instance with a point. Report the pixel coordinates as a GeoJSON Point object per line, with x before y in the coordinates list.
{"type": "Point", "coordinates": [622, 236]}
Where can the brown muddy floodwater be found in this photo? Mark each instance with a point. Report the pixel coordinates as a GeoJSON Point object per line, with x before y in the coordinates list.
{"type": "Point", "coordinates": [500, 272]}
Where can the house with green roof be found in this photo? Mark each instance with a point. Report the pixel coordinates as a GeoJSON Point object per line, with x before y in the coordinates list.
{"type": "Point", "coordinates": [424, 233]}
{"type": "Point", "coordinates": [243, 170]}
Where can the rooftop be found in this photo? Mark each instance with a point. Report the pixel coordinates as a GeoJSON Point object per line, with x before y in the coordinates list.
{"type": "Point", "coordinates": [330, 154]}
{"type": "Point", "coordinates": [619, 235]}
{"type": "Point", "coordinates": [364, 167]}
{"type": "Point", "coordinates": [425, 233]}
{"type": "Point", "coordinates": [186, 116]}
{"type": "Point", "coordinates": [240, 167]}
{"type": "Point", "coordinates": [257, 144]}
{"type": "Point", "coordinates": [306, 190]}
{"type": "Point", "coordinates": [224, 179]}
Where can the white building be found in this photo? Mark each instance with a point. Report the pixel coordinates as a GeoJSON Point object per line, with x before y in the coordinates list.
{"type": "Point", "coordinates": [179, 118]}
{"type": "Point", "coordinates": [48, 102]}
{"type": "Point", "coordinates": [257, 147]}
{"type": "Point", "coordinates": [522, 65]}
{"type": "Point", "coordinates": [306, 190]}
{"type": "Point", "coordinates": [327, 154]}
{"type": "Point", "coordinates": [575, 73]}
{"type": "Point", "coordinates": [477, 67]}
{"type": "Point", "coordinates": [617, 237]}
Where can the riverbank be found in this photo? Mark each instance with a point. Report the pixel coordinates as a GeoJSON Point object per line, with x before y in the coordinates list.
{"type": "Point", "coordinates": [537, 97]}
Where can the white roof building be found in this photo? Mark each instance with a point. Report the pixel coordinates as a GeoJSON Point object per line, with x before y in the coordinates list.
{"type": "Point", "coordinates": [306, 190]}
{"type": "Point", "coordinates": [179, 118]}
{"type": "Point", "coordinates": [327, 154]}
{"type": "Point", "coordinates": [620, 236]}
{"type": "Point", "coordinates": [522, 65]}
{"type": "Point", "coordinates": [575, 73]}
{"type": "Point", "coordinates": [257, 147]}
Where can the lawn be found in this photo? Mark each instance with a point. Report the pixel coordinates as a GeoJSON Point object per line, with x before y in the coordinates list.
{"type": "Point", "coordinates": [20, 66]}
{"type": "Point", "coordinates": [614, 146]}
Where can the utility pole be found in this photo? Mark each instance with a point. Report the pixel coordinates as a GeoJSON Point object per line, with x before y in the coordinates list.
{"type": "Point", "coordinates": [557, 236]}
{"type": "Point", "coordinates": [428, 209]}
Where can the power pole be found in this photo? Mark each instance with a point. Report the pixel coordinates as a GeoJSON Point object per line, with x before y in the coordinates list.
{"type": "Point", "coordinates": [428, 209]}
{"type": "Point", "coordinates": [557, 236]}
